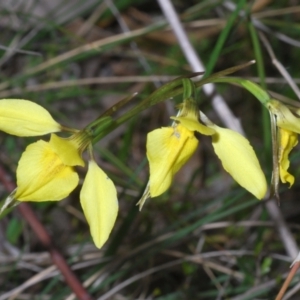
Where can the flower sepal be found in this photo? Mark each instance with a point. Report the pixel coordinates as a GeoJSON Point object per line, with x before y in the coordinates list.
{"type": "Point", "coordinates": [25, 118]}
{"type": "Point", "coordinates": [98, 198]}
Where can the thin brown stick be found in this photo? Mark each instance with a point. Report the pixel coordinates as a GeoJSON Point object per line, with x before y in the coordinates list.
{"type": "Point", "coordinates": [45, 239]}
{"type": "Point", "coordinates": [288, 280]}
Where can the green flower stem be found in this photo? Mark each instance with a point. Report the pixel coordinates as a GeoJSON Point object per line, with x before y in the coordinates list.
{"type": "Point", "coordinates": [102, 126]}
{"type": "Point", "coordinates": [99, 125]}
{"type": "Point", "coordinates": [188, 88]}
{"type": "Point", "coordinates": [262, 76]}
{"type": "Point", "coordinates": [252, 87]}
{"type": "Point", "coordinates": [217, 51]}
{"type": "Point", "coordinates": [166, 91]}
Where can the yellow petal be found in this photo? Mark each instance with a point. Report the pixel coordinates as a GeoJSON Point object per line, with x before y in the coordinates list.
{"type": "Point", "coordinates": [287, 141]}
{"type": "Point", "coordinates": [99, 202]}
{"type": "Point", "coordinates": [168, 149]}
{"type": "Point", "coordinates": [42, 176]}
{"type": "Point", "coordinates": [67, 149]}
{"type": "Point", "coordinates": [285, 118]}
{"type": "Point", "coordinates": [239, 160]}
{"type": "Point", "coordinates": [25, 118]}
{"type": "Point", "coordinates": [194, 125]}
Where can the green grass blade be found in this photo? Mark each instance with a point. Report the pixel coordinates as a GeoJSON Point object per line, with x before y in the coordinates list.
{"type": "Point", "coordinates": [222, 37]}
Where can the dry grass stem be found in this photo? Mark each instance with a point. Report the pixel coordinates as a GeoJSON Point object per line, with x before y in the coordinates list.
{"type": "Point", "coordinates": [280, 67]}
{"type": "Point", "coordinates": [196, 64]}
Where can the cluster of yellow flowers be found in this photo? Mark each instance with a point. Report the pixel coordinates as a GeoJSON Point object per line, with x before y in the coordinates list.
{"type": "Point", "coordinates": [169, 148]}
{"type": "Point", "coordinates": [46, 169]}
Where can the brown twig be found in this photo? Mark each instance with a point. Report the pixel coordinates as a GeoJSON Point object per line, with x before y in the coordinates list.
{"type": "Point", "coordinates": [29, 215]}
{"type": "Point", "coordinates": [288, 280]}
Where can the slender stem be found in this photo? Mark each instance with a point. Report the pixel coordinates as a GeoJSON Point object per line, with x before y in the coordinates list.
{"type": "Point", "coordinates": [275, 173]}
{"type": "Point", "coordinates": [288, 280]}
{"type": "Point", "coordinates": [284, 231]}
{"type": "Point", "coordinates": [219, 104]}
{"type": "Point", "coordinates": [44, 237]}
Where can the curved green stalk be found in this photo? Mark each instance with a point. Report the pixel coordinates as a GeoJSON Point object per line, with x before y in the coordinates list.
{"type": "Point", "coordinates": [261, 94]}
{"type": "Point", "coordinates": [169, 90]}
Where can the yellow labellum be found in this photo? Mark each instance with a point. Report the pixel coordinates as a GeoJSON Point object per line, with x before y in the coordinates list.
{"type": "Point", "coordinates": [42, 176]}
{"type": "Point", "coordinates": [67, 149]}
{"type": "Point", "coordinates": [98, 198]}
{"type": "Point", "coordinates": [25, 118]}
{"type": "Point", "coordinates": [287, 141]}
{"type": "Point", "coordinates": [239, 160]}
{"type": "Point", "coordinates": [284, 117]}
{"type": "Point", "coordinates": [168, 149]}
{"type": "Point", "coordinates": [194, 125]}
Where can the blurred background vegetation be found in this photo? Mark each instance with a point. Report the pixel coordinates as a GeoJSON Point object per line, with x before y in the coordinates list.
{"type": "Point", "coordinates": [206, 238]}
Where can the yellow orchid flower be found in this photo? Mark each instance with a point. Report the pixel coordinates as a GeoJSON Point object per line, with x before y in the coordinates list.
{"type": "Point", "coordinates": [169, 148]}
{"type": "Point", "coordinates": [286, 130]}
{"type": "Point", "coordinates": [46, 169]}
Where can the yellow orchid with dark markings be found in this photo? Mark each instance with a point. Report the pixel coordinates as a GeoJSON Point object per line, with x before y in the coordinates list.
{"type": "Point", "coordinates": [46, 169]}
{"type": "Point", "coordinates": [285, 127]}
{"type": "Point", "coordinates": [169, 148]}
